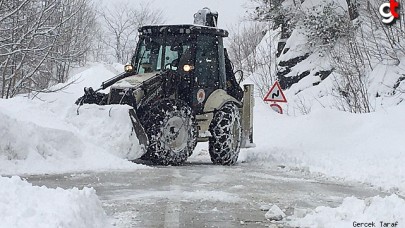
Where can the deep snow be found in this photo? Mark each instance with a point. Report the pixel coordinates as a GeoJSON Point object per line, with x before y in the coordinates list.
{"type": "Point", "coordinates": [45, 135]}
{"type": "Point", "coordinates": [358, 147]}
{"type": "Point", "coordinates": [381, 211]}
{"type": "Point", "coordinates": [23, 205]}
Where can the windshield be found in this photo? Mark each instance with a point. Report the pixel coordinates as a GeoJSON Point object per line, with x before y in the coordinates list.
{"type": "Point", "coordinates": [158, 53]}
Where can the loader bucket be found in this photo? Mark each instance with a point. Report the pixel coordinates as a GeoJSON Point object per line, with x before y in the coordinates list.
{"type": "Point", "coordinates": [139, 131]}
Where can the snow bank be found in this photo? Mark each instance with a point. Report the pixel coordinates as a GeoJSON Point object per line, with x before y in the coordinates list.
{"type": "Point", "coordinates": [46, 135]}
{"type": "Point", "coordinates": [24, 205]}
{"type": "Point", "coordinates": [109, 126]}
{"type": "Point", "coordinates": [376, 210]}
{"type": "Point", "coordinates": [22, 140]}
{"type": "Point", "coordinates": [359, 147]}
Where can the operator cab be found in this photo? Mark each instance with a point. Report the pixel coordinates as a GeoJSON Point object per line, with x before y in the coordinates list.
{"type": "Point", "coordinates": [194, 53]}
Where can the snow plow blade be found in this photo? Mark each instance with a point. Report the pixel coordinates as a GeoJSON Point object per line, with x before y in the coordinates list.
{"type": "Point", "coordinates": [139, 131]}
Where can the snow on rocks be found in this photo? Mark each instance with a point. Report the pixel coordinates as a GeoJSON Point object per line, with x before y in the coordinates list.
{"type": "Point", "coordinates": [381, 211]}
{"type": "Point", "coordinates": [23, 205]}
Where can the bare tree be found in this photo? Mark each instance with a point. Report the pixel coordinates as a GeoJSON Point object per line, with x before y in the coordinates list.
{"type": "Point", "coordinates": [74, 37]}
{"type": "Point", "coordinates": [369, 42]}
{"type": "Point", "coordinates": [39, 40]}
{"type": "Point", "coordinates": [351, 81]}
{"type": "Point", "coordinates": [252, 49]}
{"type": "Point", "coordinates": [243, 41]}
{"type": "Point", "coordinates": [121, 27]}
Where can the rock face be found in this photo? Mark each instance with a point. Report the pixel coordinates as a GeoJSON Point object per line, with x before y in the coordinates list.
{"type": "Point", "coordinates": [318, 49]}
{"type": "Point", "coordinates": [290, 69]}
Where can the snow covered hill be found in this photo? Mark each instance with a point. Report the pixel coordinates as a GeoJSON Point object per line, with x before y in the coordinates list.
{"type": "Point", "coordinates": [315, 72]}
{"type": "Point", "coordinates": [313, 134]}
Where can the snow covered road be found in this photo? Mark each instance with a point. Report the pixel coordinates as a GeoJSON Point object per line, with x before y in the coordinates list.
{"type": "Point", "coordinates": [200, 194]}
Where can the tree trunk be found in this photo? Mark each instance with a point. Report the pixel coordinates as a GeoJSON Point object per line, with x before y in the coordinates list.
{"type": "Point", "coordinates": [353, 11]}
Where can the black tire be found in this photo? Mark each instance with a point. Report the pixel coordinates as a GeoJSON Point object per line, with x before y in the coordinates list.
{"type": "Point", "coordinates": [172, 131]}
{"type": "Point", "coordinates": [225, 140]}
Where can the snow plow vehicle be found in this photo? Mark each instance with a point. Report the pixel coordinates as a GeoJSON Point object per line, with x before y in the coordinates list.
{"type": "Point", "coordinates": [182, 89]}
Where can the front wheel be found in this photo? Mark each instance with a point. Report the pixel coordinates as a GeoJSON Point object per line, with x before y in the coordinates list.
{"type": "Point", "coordinates": [172, 131]}
{"type": "Point", "coordinates": [225, 140]}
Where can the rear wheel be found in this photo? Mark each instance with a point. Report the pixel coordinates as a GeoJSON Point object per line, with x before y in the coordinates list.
{"type": "Point", "coordinates": [225, 140]}
{"type": "Point", "coordinates": [172, 131]}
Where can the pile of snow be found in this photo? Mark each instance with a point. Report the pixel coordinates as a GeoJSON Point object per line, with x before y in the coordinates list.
{"type": "Point", "coordinates": [24, 205]}
{"type": "Point", "coordinates": [361, 147]}
{"type": "Point", "coordinates": [274, 214]}
{"type": "Point", "coordinates": [380, 211]}
{"type": "Point", "coordinates": [48, 134]}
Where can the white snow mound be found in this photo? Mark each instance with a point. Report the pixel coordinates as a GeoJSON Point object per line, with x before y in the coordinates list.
{"type": "Point", "coordinates": [358, 147]}
{"type": "Point", "coordinates": [49, 135]}
{"type": "Point", "coordinates": [23, 205]}
{"type": "Point", "coordinates": [275, 213]}
{"type": "Point", "coordinates": [21, 140]}
{"type": "Point", "coordinates": [381, 211]}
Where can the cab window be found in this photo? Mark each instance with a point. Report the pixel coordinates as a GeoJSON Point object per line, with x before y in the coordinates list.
{"type": "Point", "coordinates": [207, 65]}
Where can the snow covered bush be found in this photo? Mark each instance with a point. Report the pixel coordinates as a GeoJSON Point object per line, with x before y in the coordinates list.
{"type": "Point", "coordinates": [325, 24]}
{"type": "Point", "coordinates": [350, 78]}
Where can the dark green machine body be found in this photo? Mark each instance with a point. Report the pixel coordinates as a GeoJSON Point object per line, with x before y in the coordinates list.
{"type": "Point", "coordinates": [186, 59]}
{"type": "Point", "coordinates": [181, 78]}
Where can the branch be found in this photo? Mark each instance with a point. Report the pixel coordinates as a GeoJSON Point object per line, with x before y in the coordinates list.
{"type": "Point", "coordinates": [14, 11]}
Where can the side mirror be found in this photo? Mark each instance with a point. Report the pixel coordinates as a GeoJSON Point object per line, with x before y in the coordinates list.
{"type": "Point", "coordinates": [128, 67]}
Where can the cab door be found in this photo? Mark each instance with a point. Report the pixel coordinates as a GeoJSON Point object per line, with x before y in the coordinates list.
{"type": "Point", "coordinates": [208, 69]}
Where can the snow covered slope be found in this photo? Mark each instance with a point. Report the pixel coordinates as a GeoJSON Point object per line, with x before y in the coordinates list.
{"type": "Point", "coordinates": [48, 134]}
{"type": "Point", "coordinates": [313, 134]}
{"type": "Point", "coordinates": [360, 147]}
{"type": "Point", "coordinates": [312, 71]}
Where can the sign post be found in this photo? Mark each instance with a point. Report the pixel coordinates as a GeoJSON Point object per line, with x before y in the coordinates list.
{"type": "Point", "coordinates": [274, 95]}
{"type": "Point", "coordinates": [276, 108]}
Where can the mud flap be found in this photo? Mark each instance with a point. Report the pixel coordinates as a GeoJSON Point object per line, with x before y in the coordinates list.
{"type": "Point", "coordinates": [139, 131]}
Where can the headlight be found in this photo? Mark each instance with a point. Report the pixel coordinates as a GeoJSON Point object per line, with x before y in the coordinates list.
{"type": "Point", "coordinates": [128, 67]}
{"type": "Point", "coordinates": [188, 68]}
